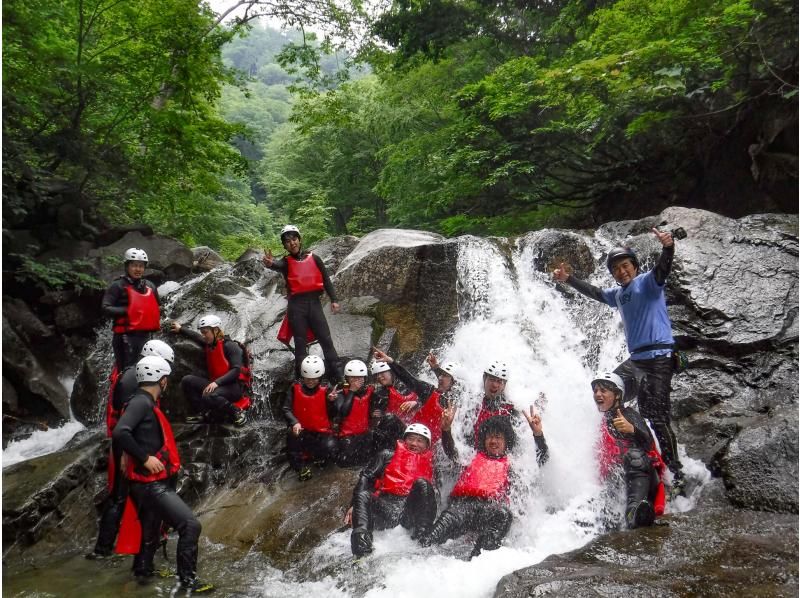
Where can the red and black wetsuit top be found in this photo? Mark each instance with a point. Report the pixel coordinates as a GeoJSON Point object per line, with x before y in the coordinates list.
{"type": "Point", "coordinates": [395, 399]}
{"type": "Point", "coordinates": [404, 469]}
{"type": "Point", "coordinates": [490, 408]}
{"type": "Point", "coordinates": [485, 478]}
{"type": "Point", "coordinates": [311, 411]}
{"type": "Point", "coordinates": [356, 420]}
{"type": "Point", "coordinates": [142, 312]}
{"type": "Point", "coordinates": [430, 415]}
{"type": "Point", "coordinates": [219, 365]}
{"type": "Point", "coordinates": [303, 275]}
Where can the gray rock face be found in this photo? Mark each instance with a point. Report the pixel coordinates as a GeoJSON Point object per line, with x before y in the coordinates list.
{"type": "Point", "coordinates": [205, 259]}
{"type": "Point", "coordinates": [166, 254]}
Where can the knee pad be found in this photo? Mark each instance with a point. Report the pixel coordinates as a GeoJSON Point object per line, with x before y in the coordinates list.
{"type": "Point", "coordinates": [636, 460]}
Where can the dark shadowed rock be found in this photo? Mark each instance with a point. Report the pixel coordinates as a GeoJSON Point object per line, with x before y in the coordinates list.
{"type": "Point", "coordinates": [112, 235]}
{"type": "Point", "coordinates": [165, 254]}
{"type": "Point", "coordinates": [551, 248]}
{"type": "Point", "coordinates": [205, 259]}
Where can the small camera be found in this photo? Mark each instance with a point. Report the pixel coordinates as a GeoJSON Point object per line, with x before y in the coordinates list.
{"type": "Point", "coordinates": [677, 233]}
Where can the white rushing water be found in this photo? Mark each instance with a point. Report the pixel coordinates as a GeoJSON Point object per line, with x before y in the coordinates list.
{"type": "Point", "coordinates": [511, 313]}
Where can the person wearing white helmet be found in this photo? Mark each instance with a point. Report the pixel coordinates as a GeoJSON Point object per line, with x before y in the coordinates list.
{"type": "Point", "coordinates": [151, 461]}
{"type": "Point", "coordinates": [430, 401]}
{"type": "Point", "coordinates": [641, 302]}
{"type": "Point", "coordinates": [123, 386]}
{"type": "Point", "coordinates": [306, 279]}
{"type": "Point", "coordinates": [627, 453]}
{"type": "Point", "coordinates": [495, 377]}
{"type": "Point", "coordinates": [309, 409]}
{"type": "Point", "coordinates": [353, 408]}
{"type": "Point", "coordinates": [134, 304]}
{"type": "Point", "coordinates": [390, 397]}
{"type": "Point", "coordinates": [396, 488]}
{"type": "Point", "coordinates": [221, 395]}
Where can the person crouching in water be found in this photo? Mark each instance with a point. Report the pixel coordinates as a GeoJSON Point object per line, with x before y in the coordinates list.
{"type": "Point", "coordinates": [479, 500]}
{"type": "Point", "coordinates": [627, 450]}
{"type": "Point", "coordinates": [151, 463]}
{"type": "Point", "coordinates": [353, 407]}
{"type": "Point", "coordinates": [395, 488]}
{"type": "Point", "coordinates": [387, 397]}
{"type": "Point", "coordinates": [214, 397]}
{"type": "Point", "coordinates": [309, 409]}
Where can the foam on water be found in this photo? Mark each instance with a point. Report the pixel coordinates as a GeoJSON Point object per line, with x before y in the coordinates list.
{"type": "Point", "coordinates": [41, 442]}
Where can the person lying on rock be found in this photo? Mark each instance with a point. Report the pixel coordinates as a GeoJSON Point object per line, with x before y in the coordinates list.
{"type": "Point", "coordinates": [396, 488]}
{"type": "Point", "coordinates": [219, 396]}
{"type": "Point", "coordinates": [479, 501]}
{"type": "Point", "coordinates": [388, 397]}
{"type": "Point", "coordinates": [431, 401]}
{"type": "Point", "coordinates": [123, 386]}
{"type": "Point", "coordinates": [133, 302]}
{"type": "Point", "coordinates": [306, 279]}
{"type": "Point", "coordinates": [309, 409]}
{"type": "Point", "coordinates": [353, 409]}
{"type": "Point", "coordinates": [627, 452]}
{"type": "Point", "coordinates": [639, 298]}
{"type": "Point", "coordinates": [151, 462]}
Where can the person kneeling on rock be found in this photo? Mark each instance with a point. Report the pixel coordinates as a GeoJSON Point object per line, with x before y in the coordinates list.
{"type": "Point", "coordinates": [308, 409]}
{"type": "Point", "coordinates": [353, 405]}
{"type": "Point", "coordinates": [479, 500]}
{"type": "Point", "coordinates": [396, 488]}
{"type": "Point", "coordinates": [627, 451]}
{"type": "Point", "coordinates": [220, 394]}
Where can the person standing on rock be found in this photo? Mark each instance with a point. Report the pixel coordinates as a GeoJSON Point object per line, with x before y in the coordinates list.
{"type": "Point", "coordinates": [309, 409]}
{"type": "Point", "coordinates": [122, 389]}
{"type": "Point", "coordinates": [151, 462]}
{"type": "Point", "coordinates": [134, 304]}
{"type": "Point", "coordinates": [639, 297]}
{"type": "Point", "coordinates": [306, 279]}
{"type": "Point", "coordinates": [221, 394]}
{"type": "Point", "coordinates": [628, 452]}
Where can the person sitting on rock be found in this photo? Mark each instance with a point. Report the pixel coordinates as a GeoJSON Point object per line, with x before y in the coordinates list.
{"type": "Point", "coordinates": [353, 408]}
{"type": "Point", "coordinates": [218, 396]}
{"type": "Point", "coordinates": [133, 302]}
{"type": "Point", "coordinates": [309, 409]}
{"type": "Point", "coordinates": [151, 462]}
{"type": "Point", "coordinates": [430, 401]}
{"type": "Point", "coordinates": [479, 500]}
{"type": "Point", "coordinates": [396, 488]}
{"type": "Point", "coordinates": [387, 397]}
{"type": "Point", "coordinates": [627, 452]}
{"type": "Point", "coordinates": [495, 377]}
{"type": "Point", "coordinates": [123, 386]}
{"type": "Point", "coordinates": [306, 279]}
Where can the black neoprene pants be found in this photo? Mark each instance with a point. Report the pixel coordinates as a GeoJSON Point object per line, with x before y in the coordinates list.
{"type": "Point", "coordinates": [354, 450]}
{"type": "Point", "coordinates": [490, 519]}
{"type": "Point", "coordinates": [113, 508]}
{"type": "Point", "coordinates": [315, 444]}
{"type": "Point", "coordinates": [219, 402]}
{"type": "Point", "coordinates": [304, 313]}
{"type": "Point", "coordinates": [127, 347]}
{"type": "Point", "coordinates": [641, 480]}
{"type": "Point", "coordinates": [157, 502]}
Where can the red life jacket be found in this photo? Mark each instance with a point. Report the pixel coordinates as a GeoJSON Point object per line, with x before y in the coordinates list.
{"type": "Point", "coordinates": [303, 276]}
{"type": "Point", "coordinates": [484, 414]}
{"type": "Point", "coordinates": [611, 453]}
{"type": "Point", "coordinates": [311, 411]}
{"type": "Point", "coordinates": [357, 421]}
{"type": "Point", "coordinates": [143, 312]}
{"type": "Point", "coordinates": [396, 399]}
{"type": "Point", "coordinates": [285, 332]}
{"type": "Point", "coordinates": [167, 454]}
{"type": "Point", "coordinates": [112, 415]}
{"type": "Point", "coordinates": [431, 415]}
{"type": "Point", "coordinates": [404, 469]}
{"type": "Point", "coordinates": [485, 478]}
{"type": "Point", "coordinates": [218, 365]}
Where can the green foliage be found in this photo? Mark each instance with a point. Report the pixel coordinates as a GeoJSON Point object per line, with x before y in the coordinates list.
{"type": "Point", "coordinates": [57, 274]}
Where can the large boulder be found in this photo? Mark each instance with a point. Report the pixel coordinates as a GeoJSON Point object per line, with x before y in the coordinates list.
{"type": "Point", "coordinates": [166, 254]}
{"type": "Point", "coordinates": [205, 259]}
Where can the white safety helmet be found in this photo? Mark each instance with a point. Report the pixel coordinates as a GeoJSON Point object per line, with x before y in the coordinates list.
{"type": "Point", "coordinates": [420, 429]}
{"type": "Point", "coordinates": [152, 368]}
{"type": "Point", "coordinates": [609, 377]}
{"type": "Point", "coordinates": [136, 255]}
{"type": "Point", "coordinates": [312, 367]}
{"type": "Point", "coordinates": [289, 228]}
{"type": "Point", "coordinates": [450, 368]}
{"type": "Point", "coordinates": [209, 321]}
{"type": "Point", "coordinates": [498, 369]}
{"type": "Point", "coordinates": [379, 366]}
{"type": "Point", "coordinates": [159, 349]}
{"type": "Point", "coordinates": [355, 367]}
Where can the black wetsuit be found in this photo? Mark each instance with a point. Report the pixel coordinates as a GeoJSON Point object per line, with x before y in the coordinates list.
{"type": "Point", "coordinates": [416, 511]}
{"type": "Point", "coordinates": [354, 449]}
{"type": "Point", "coordinates": [220, 403]}
{"type": "Point", "coordinates": [648, 379]}
{"type": "Point", "coordinates": [423, 389]}
{"type": "Point", "coordinates": [139, 434]}
{"type": "Point", "coordinates": [115, 504]}
{"type": "Point", "coordinates": [127, 346]}
{"type": "Point", "coordinates": [319, 446]}
{"type": "Point", "coordinates": [305, 313]}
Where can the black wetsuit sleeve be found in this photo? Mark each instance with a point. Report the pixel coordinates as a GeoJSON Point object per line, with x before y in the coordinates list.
{"type": "Point", "coordinates": [233, 353]}
{"type": "Point", "coordinates": [449, 445]}
{"type": "Point", "coordinates": [137, 413]}
{"type": "Point", "coordinates": [423, 389]}
{"type": "Point", "coordinates": [641, 433]}
{"type": "Point", "coordinates": [372, 472]}
{"type": "Point", "coordinates": [115, 300]}
{"type": "Point", "coordinates": [584, 288]}
{"type": "Point", "coordinates": [126, 386]}
{"type": "Point", "coordinates": [192, 335]}
{"type": "Point", "coordinates": [542, 452]}
{"type": "Point", "coordinates": [326, 280]}
{"type": "Point", "coordinates": [664, 265]}
{"type": "Point", "coordinates": [279, 265]}
{"type": "Point", "coordinates": [344, 404]}
{"type": "Point", "coordinates": [288, 407]}
{"type": "Point", "coordinates": [380, 399]}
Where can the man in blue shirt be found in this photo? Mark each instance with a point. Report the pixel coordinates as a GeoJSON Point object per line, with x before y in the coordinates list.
{"type": "Point", "coordinates": [639, 297]}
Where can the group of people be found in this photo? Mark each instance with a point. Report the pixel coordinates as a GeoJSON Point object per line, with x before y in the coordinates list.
{"type": "Point", "coordinates": [389, 427]}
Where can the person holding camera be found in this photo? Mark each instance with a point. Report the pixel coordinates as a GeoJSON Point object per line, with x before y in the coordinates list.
{"type": "Point", "coordinates": [639, 297]}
